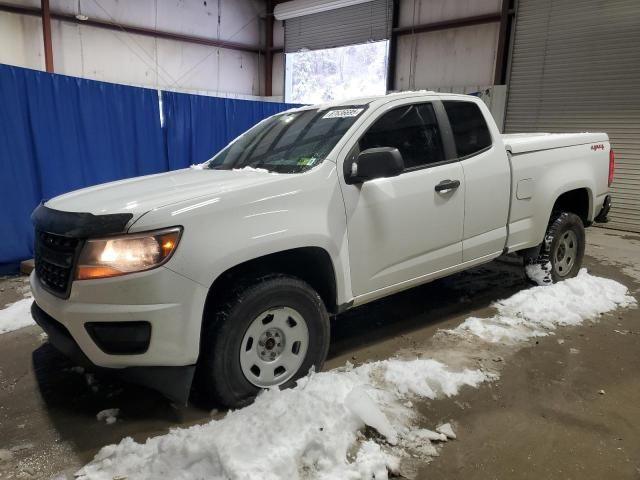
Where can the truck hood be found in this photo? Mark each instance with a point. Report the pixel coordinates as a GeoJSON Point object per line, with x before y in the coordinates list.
{"type": "Point", "coordinates": [142, 194]}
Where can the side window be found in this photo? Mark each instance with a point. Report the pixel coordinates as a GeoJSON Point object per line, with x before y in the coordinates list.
{"type": "Point", "coordinates": [412, 129]}
{"type": "Point", "coordinates": [470, 130]}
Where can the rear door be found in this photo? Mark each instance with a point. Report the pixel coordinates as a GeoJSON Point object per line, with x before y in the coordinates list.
{"type": "Point", "coordinates": [407, 227]}
{"type": "Point", "coordinates": [487, 176]}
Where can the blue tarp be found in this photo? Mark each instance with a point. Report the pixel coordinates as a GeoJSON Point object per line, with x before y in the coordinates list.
{"type": "Point", "coordinates": [61, 133]}
{"type": "Point", "coordinates": [197, 126]}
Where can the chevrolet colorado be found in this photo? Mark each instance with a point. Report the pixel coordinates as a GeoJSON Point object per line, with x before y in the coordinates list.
{"type": "Point", "coordinates": [228, 271]}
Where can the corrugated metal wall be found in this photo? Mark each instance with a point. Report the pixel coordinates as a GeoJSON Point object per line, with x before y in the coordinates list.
{"type": "Point", "coordinates": [576, 67]}
{"type": "Point", "coordinates": [343, 26]}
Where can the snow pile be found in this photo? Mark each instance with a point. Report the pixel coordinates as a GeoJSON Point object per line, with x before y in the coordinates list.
{"type": "Point", "coordinates": [446, 430]}
{"type": "Point", "coordinates": [308, 431]}
{"type": "Point", "coordinates": [108, 416]}
{"type": "Point", "coordinates": [198, 166]}
{"type": "Point", "coordinates": [16, 315]}
{"type": "Point", "coordinates": [539, 273]}
{"type": "Point", "coordinates": [317, 429]}
{"type": "Point", "coordinates": [363, 407]}
{"type": "Point", "coordinates": [408, 377]}
{"type": "Point", "coordinates": [251, 169]}
{"type": "Point", "coordinates": [540, 310]}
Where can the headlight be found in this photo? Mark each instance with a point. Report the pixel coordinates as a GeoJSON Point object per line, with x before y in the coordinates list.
{"type": "Point", "coordinates": [110, 257]}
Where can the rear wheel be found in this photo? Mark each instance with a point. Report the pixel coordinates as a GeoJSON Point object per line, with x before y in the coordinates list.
{"type": "Point", "coordinates": [270, 333]}
{"type": "Point", "coordinates": [562, 251]}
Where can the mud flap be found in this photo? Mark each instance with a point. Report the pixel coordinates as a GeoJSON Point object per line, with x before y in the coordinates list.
{"type": "Point", "coordinates": [172, 382]}
{"type": "Point", "coordinates": [606, 207]}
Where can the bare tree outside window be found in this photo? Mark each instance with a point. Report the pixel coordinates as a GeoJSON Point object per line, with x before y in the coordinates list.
{"type": "Point", "coordinates": [319, 76]}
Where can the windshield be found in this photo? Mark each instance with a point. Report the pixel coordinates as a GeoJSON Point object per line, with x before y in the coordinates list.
{"type": "Point", "coordinates": [288, 143]}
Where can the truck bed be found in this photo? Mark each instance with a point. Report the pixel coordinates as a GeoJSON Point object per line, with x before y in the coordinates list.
{"type": "Point", "coordinates": [529, 142]}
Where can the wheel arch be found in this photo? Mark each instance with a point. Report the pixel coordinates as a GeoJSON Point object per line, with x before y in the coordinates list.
{"type": "Point", "coordinates": [578, 201]}
{"type": "Point", "coordinates": [310, 264]}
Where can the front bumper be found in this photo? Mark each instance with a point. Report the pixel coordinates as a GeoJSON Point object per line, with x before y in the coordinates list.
{"type": "Point", "coordinates": [173, 382]}
{"type": "Point", "coordinates": [169, 302]}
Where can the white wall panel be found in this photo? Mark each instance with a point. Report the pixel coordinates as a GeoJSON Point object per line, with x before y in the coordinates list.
{"type": "Point", "coordinates": [430, 11]}
{"type": "Point", "coordinates": [21, 41]}
{"type": "Point", "coordinates": [100, 54]}
{"type": "Point", "coordinates": [453, 57]}
{"type": "Point", "coordinates": [114, 56]}
{"type": "Point", "coordinates": [189, 17]}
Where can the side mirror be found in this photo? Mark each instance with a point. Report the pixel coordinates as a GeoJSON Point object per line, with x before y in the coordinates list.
{"type": "Point", "coordinates": [377, 162]}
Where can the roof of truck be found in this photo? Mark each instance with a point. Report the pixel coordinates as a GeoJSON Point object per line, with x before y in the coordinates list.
{"type": "Point", "coordinates": [378, 98]}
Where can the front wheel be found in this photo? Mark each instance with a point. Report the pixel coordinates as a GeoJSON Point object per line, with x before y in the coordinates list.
{"type": "Point", "coordinates": [561, 253]}
{"type": "Point", "coordinates": [270, 333]}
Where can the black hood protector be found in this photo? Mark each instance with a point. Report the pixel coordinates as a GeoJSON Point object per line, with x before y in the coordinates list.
{"type": "Point", "coordinates": [77, 224]}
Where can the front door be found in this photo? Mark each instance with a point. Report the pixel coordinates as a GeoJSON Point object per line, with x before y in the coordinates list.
{"type": "Point", "coordinates": [410, 226]}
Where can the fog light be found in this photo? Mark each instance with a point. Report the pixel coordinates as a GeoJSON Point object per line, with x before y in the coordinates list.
{"type": "Point", "coordinates": [120, 338]}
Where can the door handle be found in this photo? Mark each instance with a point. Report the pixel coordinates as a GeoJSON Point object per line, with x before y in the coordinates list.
{"type": "Point", "coordinates": [446, 186]}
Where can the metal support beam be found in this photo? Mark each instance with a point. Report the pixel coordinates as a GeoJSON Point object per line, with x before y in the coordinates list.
{"type": "Point", "coordinates": [46, 35]}
{"type": "Point", "coordinates": [501, 52]}
{"type": "Point", "coordinates": [393, 47]}
{"type": "Point", "coordinates": [268, 54]}
{"type": "Point", "coordinates": [131, 29]}
{"type": "Point", "coordinates": [447, 24]}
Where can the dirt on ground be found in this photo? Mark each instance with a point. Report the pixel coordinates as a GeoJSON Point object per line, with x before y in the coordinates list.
{"type": "Point", "coordinates": [567, 406]}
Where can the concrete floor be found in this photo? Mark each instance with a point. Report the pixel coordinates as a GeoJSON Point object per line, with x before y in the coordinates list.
{"type": "Point", "coordinates": [544, 418]}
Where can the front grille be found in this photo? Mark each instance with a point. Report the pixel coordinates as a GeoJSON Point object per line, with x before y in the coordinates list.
{"type": "Point", "coordinates": [54, 259]}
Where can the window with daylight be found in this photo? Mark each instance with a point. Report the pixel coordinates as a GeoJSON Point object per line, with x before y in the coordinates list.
{"type": "Point", "coordinates": [333, 74]}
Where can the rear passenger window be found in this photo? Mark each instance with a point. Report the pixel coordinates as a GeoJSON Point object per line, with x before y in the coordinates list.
{"type": "Point", "coordinates": [470, 130]}
{"type": "Point", "coordinates": [413, 130]}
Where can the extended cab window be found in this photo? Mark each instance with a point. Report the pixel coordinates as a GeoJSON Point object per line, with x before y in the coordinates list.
{"type": "Point", "coordinates": [412, 129]}
{"type": "Point", "coordinates": [288, 143]}
{"type": "Point", "coordinates": [470, 130]}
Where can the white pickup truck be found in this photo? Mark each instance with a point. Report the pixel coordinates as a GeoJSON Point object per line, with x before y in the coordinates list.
{"type": "Point", "coordinates": [230, 270]}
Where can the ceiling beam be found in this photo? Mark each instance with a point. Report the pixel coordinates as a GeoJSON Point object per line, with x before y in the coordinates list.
{"type": "Point", "coordinates": [447, 24]}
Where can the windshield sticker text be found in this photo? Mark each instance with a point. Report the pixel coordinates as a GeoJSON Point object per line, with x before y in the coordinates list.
{"type": "Point", "coordinates": [343, 113]}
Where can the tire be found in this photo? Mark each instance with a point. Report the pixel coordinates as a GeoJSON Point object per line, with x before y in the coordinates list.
{"type": "Point", "coordinates": [279, 315]}
{"type": "Point", "coordinates": [561, 252]}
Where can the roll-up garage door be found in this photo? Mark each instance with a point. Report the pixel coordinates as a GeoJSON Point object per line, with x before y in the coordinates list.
{"type": "Point", "coordinates": [576, 67]}
{"type": "Point", "coordinates": [350, 25]}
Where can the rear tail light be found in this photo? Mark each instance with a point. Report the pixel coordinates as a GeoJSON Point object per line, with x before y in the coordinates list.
{"type": "Point", "coordinates": [612, 165]}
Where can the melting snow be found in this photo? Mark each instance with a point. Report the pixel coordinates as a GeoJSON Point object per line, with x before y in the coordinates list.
{"type": "Point", "coordinates": [540, 310]}
{"type": "Point", "coordinates": [109, 416]}
{"type": "Point", "coordinates": [540, 274]}
{"type": "Point", "coordinates": [16, 315]}
{"type": "Point", "coordinates": [315, 429]}
{"type": "Point", "coordinates": [252, 169]}
{"type": "Point", "coordinates": [311, 428]}
{"type": "Point", "coordinates": [446, 430]}
{"type": "Point", "coordinates": [364, 408]}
